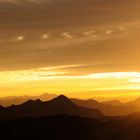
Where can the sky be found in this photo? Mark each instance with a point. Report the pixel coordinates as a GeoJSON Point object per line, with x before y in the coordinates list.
{"type": "Point", "coordinates": [82, 48]}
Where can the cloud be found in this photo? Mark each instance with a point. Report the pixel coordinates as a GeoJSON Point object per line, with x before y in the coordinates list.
{"type": "Point", "coordinates": [91, 32]}
{"type": "Point", "coordinates": [45, 36]}
{"type": "Point", "coordinates": [135, 80]}
{"type": "Point", "coordinates": [109, 32]}
{"type": "Point", "coordinates": [59, 32]}
{"type": "Point", "coordinates": [46, 45]}
{"type": "Point", "coordinates": [60, 13]}
{"type": "Point", "coordinates": [20, 38]}
{"type": "Point", "coordinates": [61, 77]}
{"type": "Point", "coordinates": [67, 35]}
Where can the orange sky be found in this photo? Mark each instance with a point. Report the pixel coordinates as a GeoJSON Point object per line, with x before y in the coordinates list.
{"type": "Point", "coordinates": [82, 48]}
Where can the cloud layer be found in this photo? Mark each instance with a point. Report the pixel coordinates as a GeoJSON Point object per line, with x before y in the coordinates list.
{"type": "Point", "coordinates": [60, 32]}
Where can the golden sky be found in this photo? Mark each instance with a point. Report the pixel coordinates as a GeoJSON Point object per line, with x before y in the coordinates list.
{"type": "Point", "coordinates": [83, 48]}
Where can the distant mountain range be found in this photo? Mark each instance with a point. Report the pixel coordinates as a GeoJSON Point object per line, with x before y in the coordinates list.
{"type": "Point", "coordinates": [109, 108]}
{"type": "Point", "coordinates": [113, 102]}
{"type": "Point", "coordinates": [16, 100]}
{"type": "Point", "coordinates": [38, 108]}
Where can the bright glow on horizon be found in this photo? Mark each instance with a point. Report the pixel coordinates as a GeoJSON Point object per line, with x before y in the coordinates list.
{"type": "Point", "coordinates": [55, 79]}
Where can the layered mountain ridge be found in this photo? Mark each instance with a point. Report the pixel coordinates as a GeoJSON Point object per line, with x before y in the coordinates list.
{"type": "Point", "coordinates": [38, 108]}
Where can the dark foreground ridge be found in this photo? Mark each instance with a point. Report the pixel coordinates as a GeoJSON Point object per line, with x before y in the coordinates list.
{"type": "Point", "coordinates": [63, 127]}
{"type": "Point", "coordinates": [61, 119]}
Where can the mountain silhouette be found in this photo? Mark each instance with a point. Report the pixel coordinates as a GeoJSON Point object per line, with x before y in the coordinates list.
{"type": "Point", "coordinates": [37, 108]}
{"type": "Point", "coordinates": [62, 101]}
{"type": "Point", "coordinates": [113, 102]}
{"type": "Point", "coordinates": [108, 109]}
{"type": "Point", "coordinates": [62, 119]}
{"type": "Point", "coordinates": [16, 100]}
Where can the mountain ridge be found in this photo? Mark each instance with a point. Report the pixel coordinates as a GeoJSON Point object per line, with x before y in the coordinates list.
{"type": "Point", "coordinates": [16, 100]}
{"type": "Point", "coordinates": [38, 108]}
{"type": "Point", "coordinates": [108, 109]}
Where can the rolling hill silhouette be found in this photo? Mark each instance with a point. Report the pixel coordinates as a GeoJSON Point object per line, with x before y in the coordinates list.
{"type": "Point", "coordinates": [37, 108]}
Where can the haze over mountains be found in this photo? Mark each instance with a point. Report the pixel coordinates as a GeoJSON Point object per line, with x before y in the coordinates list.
{"type": "Point", "coordinates": [109, 108]}
{"type": "Point", "coordinates": [15, 100]}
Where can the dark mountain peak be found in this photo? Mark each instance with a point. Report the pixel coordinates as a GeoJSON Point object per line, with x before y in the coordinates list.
{"type": "Point", "coordinates": [62, 101]}
{"type": "Point", "coordinates": [32, 102]}
{"type": "Point", "coordinates": [25, 104]}
{"type": "Point", "coordinates": [38, 101]}
{"type": "Point", "coordinates": [62, 98]}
